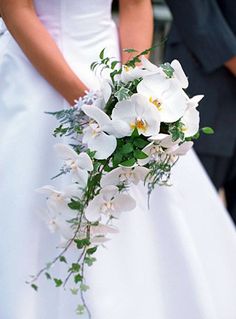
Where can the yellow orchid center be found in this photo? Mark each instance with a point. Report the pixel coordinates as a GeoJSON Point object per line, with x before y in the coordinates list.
{"type": "Point", "coordinates": [184, 128]}
{"type": "Point", "coordinates": [156, 102]}
{"type": "Point", "coordinates": [127, 68]}
{"type": "Point", "coordinates": [140, 124]}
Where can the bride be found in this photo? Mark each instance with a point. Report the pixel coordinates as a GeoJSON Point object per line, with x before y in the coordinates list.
{"type": "Point", "coordinates": [175, 261]}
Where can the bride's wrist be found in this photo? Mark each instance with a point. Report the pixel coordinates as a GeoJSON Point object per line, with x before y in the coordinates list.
{"type": "Point", "coordinates": [75, 89]}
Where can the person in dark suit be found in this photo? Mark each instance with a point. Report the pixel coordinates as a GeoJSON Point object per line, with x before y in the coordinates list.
{"type": "Point", "coordinates": [203, 39]}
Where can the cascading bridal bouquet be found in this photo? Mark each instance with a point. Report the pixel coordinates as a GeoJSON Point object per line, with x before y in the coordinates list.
{"type": "Point", "coordinates": [134, 129]}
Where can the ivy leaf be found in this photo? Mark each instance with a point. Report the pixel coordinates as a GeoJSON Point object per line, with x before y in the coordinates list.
{"type": "Point", "coordinates": [101, 55]}
{"type": "Point", "coordinates": [74, 268]}
{"type": "Point", "coordinates": [135, 133]}
{"type": "Point", "coordinates": [117, 159]}
{"type": "Point", "coordinates": [35, 287]}
{"type": "Point", "coordinates": [82, 242]}
{"type": "Point", "coordinates": [78, 278]}
{"type": "Point", "coordinates": [130, 50]}
{"type": "Point", "coordinates": [127, 148]}
{"type": "Point", "coordinates": [74, 291]}
{"type": "Point", "coordinates": [129, 162]}
{"type": "Point", "coordinates": [92, 250]}
{"type": "Point", "coordinates": [141, 143]}
{"type": "Point", "coordinates": [75, 205]}
{"type": "Point", "coordinates": [114, 64]}
{"type": "Point", "coordinates": [89, 260]}
{"type": "Point", "coordinates": [48, 276]}
{"type": "Point", "coordinates": [122, 94]}
{"type": "Point", "coordinates": [140, 155]}
{"type": "Point", "coordinates": [208, 130]}
{"type": "Point", "coordinates": [58, 282]}
{"type": "Point", "coordinates": [167, 68]}
{"type": "Point", "coordinates": [84, 287]}
{"type": "Point", "coordinates": [80, 310]}
{"type": "Point", "coordinates": [63, 259]}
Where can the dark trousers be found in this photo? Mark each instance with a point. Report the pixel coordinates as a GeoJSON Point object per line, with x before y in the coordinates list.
{"type": "Point", "coordinates": [222, 171]}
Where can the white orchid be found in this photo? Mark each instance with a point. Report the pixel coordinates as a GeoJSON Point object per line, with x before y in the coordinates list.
{"type": "Point", "coordinates": [78, 164]}
{"type": "Point", "coordinates": [109, 202]}
{"type": "Point", "coordinates": [58, 212]}
{"type": "Point", "coordinates": [190, 120]}
{"type": "Point", "coordinates": [179, 74]}
{"type": "Point", "coordinates": [137, 112]}
{"type": "Point", "coordinates": [165, 94]}
{"type": "Point", "coordinates": [194, 101]}
{"type": "Point", "coordinates": [95, 134]}
{"type": "Point", "coordinates": [156, 150]}
{"type": "Point", "coordinates": [124, 175]}
{"type": "Point", "coordinates": [130, 73]}
{"type": "Point", "coordinates": [99, 233]}
{"type": "Point", "coordinates": [180, 150]}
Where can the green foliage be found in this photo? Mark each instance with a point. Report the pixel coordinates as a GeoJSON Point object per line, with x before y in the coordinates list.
{"type": "Point", "coordinates": [58, 282]}
{"type": "Point", "coordinates": [35, 287]}
{"type": "Point", "coordinates": [176, 131]}
{"type": "Point", "coordinates": [48, 276]}
{"type": "Point", "coordinates": [168, 70]}
{"type": "Point", "coordinates": [63, 259]}
{"type": "Point", "coordinates": [80, 310]}
{"type": "Point", "coordinates": [89, 260]}
{"type": "Point", "coordinates": [84, 287]}
{"type": "Point", "coordinates": [122, 94]}
{"type": "Point", "coordinates": [140, 154]}
{"type": "Point", "coordinates": [78, 278]}
{"type": "Point", "coordinates": [92, 250]}
{"type": "Point", "coordinates": [130, 162]}
{"type": "Point", "coordinates": [207, 130]}
{"type": "Point", "coordinates": [75, 267]}
{"type": "Point", "coordinates": [81, 243]}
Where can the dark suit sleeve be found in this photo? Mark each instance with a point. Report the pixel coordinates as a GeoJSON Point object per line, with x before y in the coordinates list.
{"type": "Point", "coordinates": [204, 30]}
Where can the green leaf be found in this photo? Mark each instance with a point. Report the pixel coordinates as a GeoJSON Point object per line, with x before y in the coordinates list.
{"type": "Point", "coordinates": [101, 55]}
{"type": "Point", "coordinates": [140, 155]}
{"type": "Point", "coordinates": [89, 260]}
{"type": "Point", "coordinates": [74, 268]}
{"type": "Point", "coordinates": [35, 287]}
{"type": "Point", "coordinates": [167, 68]}
{"type": "Point", "coordinates": [74, 291]}
{"type": "Point", "coordinates": [58, 282]}
{"type": "Point", "coordinates": [82, 243]}
{"type": "Point", "coordinates": [122, 94]}
{"type": "Point", "coordinates": [114, 64]}
{"type": "Point", "coordinates": [130, 50]}
{"type": "Point", "coordinates": [117, 159]}
{"type": "Point", "coordinates": [63, 259]}
{"type": "Point", "coordinates": [127, 148]}
{"type": "Point", "coordinates": [75, 204]}
{"type": "Point", "coordinates": [141, 143]}
{"type": "Point", "coordinates": [48, 276]}
{"type": "Point", "coordinates": [78, 278]}
{"type": "Point", "coordinates": [135, 133]}
{"type": "Point", "coordinates": [80, 310]}
{"type": "Point", "coordinates": [84, 287]}
{"type": "Point", "coordinates": [92, 250]}
{"type": "Point", "coordinates": [208, 130]}
{"type": "Point", "coordinates": [129, 162]}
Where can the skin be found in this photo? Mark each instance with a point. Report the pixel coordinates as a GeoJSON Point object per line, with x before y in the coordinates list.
{"type": "Point", "coordinates": [37, 44]}
{"type": "Point", "coordinates": [231, 65]}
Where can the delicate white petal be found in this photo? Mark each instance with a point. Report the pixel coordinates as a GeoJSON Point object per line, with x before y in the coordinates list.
{"type": "Point", "coordinates": [47, 190]}
{"type": "Point", "coordinates": [183, 149]}
{"type": "Point", "coordinates": [103, 144]}
{"type": "Point", "coordinates": [194, 101]}
{"type": "Point", "coordinates": [191, 121]}
{"type": "Point", "coordinates": [106, 90]}
{"type": "Point", "coordinates": [109, 192]}
{"type": "Point", "coordinates": [93, 210]}
{"type": "Point", "coordinates": [148, 65]}
{"type": "Point", "coordinates": [120, 128]}
{"type": "Point", "coordinates": [80, 176]}
{"type": "Point", "coordinates": [65, 152]}
{"type": "Point", "coordinates": [179, 74]}
{"type": "Point", "coordinates": [85, 162]}
{"type": "Point", "coordinates": [122, 203]}
{"type": "Point", "coordinates": [140, 173]}
{"type": "Point", "coordinates": [124, 110]}
{"type": "Point", "coordinates": [111, 178]}
{"type": "Point", "coordinates": [72, 190]}
{"type": "Point", "coordinates": [96, 114]}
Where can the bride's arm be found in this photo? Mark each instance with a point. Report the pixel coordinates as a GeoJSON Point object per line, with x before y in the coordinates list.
{"type": "Point", "coordinates": [135, 25]}
{"type": "Point", "coordinates": [22, 21]}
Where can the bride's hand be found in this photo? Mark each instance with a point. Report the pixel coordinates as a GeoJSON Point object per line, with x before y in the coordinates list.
{"type": "Point", "coordinates": [23, 23]}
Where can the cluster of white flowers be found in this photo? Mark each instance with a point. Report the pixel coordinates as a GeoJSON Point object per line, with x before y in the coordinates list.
{"type": "Point", "coordinates": [159, 99]}
{"type": "Point", "coordinates": [133, 129]}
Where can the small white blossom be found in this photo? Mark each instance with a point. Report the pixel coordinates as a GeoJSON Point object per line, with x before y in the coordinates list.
{"type": "Point", "coordinates": [109, 202]}
{"type": "Point", "coordinates": [78, 164]}
{"type": "Point", "coordinates": [137, 112]}
{"type": "Point", "coordinates": [165, 94]}
{"type": "Point", "coordinates": [95, 135]}
{"type": "Point", "coordinates": [124, 175]}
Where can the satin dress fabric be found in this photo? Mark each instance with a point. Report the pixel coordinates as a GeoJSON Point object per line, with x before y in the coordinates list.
{"type": "Point", "coordinates": [176, 260]}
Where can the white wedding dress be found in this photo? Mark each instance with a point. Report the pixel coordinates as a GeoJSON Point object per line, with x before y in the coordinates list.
{"type": "Point", "coordinates": [174, 261]}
